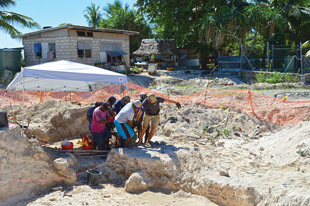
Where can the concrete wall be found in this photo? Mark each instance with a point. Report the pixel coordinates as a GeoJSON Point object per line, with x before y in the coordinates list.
{"type": "Point", "coordinates": [66, 46]}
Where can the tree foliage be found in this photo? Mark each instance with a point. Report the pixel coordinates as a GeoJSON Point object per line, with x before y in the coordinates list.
{"type": "Point", "coordinates": [124, 18]}
{"type": "Point", "coordinates": [93, 15]}
{"type": "Point", "coordinates": [8, 20]}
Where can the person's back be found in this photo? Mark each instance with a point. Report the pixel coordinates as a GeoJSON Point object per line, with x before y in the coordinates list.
{"type": "Point", "coordinates": [121, 103]}
{"type": "Point", "coordinates": [89, 113]}
{"type": "Point", "coordinates": [124, 122]}
{"type": "Point", "coordinates": [127, 113]}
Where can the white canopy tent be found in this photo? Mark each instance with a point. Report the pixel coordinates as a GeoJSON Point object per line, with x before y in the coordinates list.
{"type": "Point", "coordinates": [63, 76]}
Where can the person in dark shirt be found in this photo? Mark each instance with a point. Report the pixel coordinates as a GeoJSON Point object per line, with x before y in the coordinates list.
{"type": "Point", "coordinates": [90, 112]}
{"type": "Point", "coordinates": [139, 118]}
{"type": "Point", "coordinates": [110, 125]}
{"type": "Point", "coordinates": [151, 107]}
{"type": "Point", "coordinates": [121, 103]}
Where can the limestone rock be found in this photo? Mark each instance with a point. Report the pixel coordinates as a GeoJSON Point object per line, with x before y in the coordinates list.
{"type": "Point", "coordinates": [63, 168]}
{"type": "Point", "coordinates": [224, 172]}
{"type": "Point", "coordinates": [23, 159]}
{"type": "Point", "coordinates": [135, 183]}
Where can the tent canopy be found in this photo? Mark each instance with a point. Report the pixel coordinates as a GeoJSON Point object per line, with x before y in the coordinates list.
{"type": "Point", "coordinates": [64, 76]}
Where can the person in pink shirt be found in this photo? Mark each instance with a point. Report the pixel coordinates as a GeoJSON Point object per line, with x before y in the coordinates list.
{"type": "Point", "coordinates": [98, 127]}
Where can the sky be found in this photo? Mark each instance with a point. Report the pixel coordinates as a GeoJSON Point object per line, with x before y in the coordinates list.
{"type": "Point", "coordinates": [52, 13]}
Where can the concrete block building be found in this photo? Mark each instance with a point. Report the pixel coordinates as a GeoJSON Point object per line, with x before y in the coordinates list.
{"type": "Point", "coordinates": [80, 44]}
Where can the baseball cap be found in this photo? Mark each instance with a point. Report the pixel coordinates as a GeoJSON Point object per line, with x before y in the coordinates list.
{"type": "Point", "coordinates": [152, 97]}
{"type": "Point", "coordinates": [97, 104]}
{"type": "Point", "coordinates": [137, 103]}
{"type": "Point", "coordinates": [113, 99]}
{"type": "Point", "coordinates": [126, 97]}
{"type": "Point", "coordinates": [106, 105]}
{"type": "Point", "coordinates": [143, 95]}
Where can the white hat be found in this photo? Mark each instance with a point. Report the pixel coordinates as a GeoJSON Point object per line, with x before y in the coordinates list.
{"type": "Point", "coordinates": [137, 103]}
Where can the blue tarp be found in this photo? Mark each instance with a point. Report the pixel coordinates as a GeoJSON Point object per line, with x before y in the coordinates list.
{"type": "Point", "coordinates": [37, 48]}
{"type": "Point", "coordinates": [115, 53]}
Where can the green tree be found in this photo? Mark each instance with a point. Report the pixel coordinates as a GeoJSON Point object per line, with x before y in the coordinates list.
{"type": "Point", "coordinates": [297, 16]}
{"type": "Point", "coordinates": [182, 20]}
{"type": "Point", "coordinates": [246, 18]}
{"type": "Point", "coordinates": [124, 18]}
{"type": "Point", "coordinates": [93, 15]}
{"type": "Point", "coordinates": [8, 19]}
{"type": "Point", "coordinates": [65, 24]}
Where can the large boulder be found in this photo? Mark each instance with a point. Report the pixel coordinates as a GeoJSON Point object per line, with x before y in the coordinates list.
{"type": "Point", "coordinates": [53, 120]}
{"type": "Point", "coordinates": [67, 166]}
{"type": "Point", "coordinates": [23, 160]}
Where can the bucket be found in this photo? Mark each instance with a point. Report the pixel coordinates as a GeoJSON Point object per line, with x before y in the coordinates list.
{"type": "Point", "coordinates": [93, 177]}
{"type": "Point", "coordinates": [152, 69]}
{"type": "Point", "coordinates": [67, 147]}
{"type": "Point", "coordinates": [89, 147]}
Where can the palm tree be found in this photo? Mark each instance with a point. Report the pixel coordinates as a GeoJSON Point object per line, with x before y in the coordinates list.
{"type": "Point", "coordinates": [93, 15]}
{"type": "Point", "coordinates": [119, 17]}
{"type": "Point", "coordinates": [298, 19]}
{"type": "Point", "coordinates": [8, 19]}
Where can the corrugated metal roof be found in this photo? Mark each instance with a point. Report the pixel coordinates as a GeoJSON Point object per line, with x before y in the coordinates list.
{"type": "Point", "coordinates": [75, 27]}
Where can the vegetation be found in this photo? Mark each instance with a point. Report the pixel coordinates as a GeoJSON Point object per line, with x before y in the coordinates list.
{"type": "Point", "coordinates": [115, 16]}
{"type": "Point", "coordinates": [65, 24]}
{"type": "Point", "coordinates": [93, 15]}
{"type": "Point", "coordinates": [276, 77]}
{"type": "Point", "coordinates": [8, 20]}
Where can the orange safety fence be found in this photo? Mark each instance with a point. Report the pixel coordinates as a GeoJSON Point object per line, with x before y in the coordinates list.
{"type": "Point", "coordinates": [264, 107]}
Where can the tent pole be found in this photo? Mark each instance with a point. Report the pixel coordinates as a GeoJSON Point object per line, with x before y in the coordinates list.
{"type": "Point", "coordinates": [3, 98]}
{"type": "Point", "coordinates": [23, 103]}
{"type": "Point", "coordinates": [127, 88]}
{"type": "Point", "coordinates": [92, 95]}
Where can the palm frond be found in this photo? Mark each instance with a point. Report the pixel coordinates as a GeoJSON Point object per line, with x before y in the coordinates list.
{"type": "Point", "coordinates": [7, 3]}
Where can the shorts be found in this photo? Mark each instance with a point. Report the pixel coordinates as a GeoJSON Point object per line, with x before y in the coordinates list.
{"type": "Point", "coordinates": [98, 137]}
{"type": "Point", "coordinates": [124, 130]}
{"type": "Point", "coordinates": [153, 119]}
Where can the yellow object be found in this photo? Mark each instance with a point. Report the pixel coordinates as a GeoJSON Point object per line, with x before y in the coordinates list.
{"type": "Point", "coordinates": [308, 54]}
{"type": "Point", "coordinates": [223, 107]}
{"type": "Point", "coordinates": [284, 98]}
{"type": "Point", "coordinates": [305, 44]}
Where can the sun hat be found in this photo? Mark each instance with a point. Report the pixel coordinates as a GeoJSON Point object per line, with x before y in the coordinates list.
{"type": "Point", "coordinates": [113, 99]}
{"type": "Point", "coordinates": [106, 105]}
{"type": "Point", "coordinates": [152, 97]}
{"type": "Point", "coordinates": [137, 103]}
{"type": "Point", "coordinates": [126, 97]}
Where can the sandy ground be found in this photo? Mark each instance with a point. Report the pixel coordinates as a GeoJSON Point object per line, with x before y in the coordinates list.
{"type": "Point", "coordinates": [114, 194]}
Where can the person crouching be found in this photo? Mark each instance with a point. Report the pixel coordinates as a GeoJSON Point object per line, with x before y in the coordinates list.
{"type": "Point", "coordinates": [124, 122]}
{"type": "Point", "coordinates": [98, 127]}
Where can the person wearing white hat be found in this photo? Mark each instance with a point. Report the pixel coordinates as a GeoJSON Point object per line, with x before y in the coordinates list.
{"type": "Point", "coordinates": [124, 122]}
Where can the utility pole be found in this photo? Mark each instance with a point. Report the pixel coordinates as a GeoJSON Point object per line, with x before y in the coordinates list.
{"type": "Point", "coordinates": [267, 56]}
{"type": "Point", "coordinates": [272, 56]}
{"type": "Point", "coordinates": [301, 68]}
{"type": "Point", "coordinates": [241, 57]}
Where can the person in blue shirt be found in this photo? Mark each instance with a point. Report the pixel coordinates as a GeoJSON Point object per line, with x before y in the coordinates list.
{"type": "Point", "coordinates": [90, 112]}
{"type": "Point", "coordinates": [121, 103]}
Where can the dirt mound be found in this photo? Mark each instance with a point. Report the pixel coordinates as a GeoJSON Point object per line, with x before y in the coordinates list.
{"type": "Point", "coordinates": [23, 159]}
{"type": "Point", "coordinates": [198, 121]}
{"type": "Point", "coordinates": [52, 120]}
